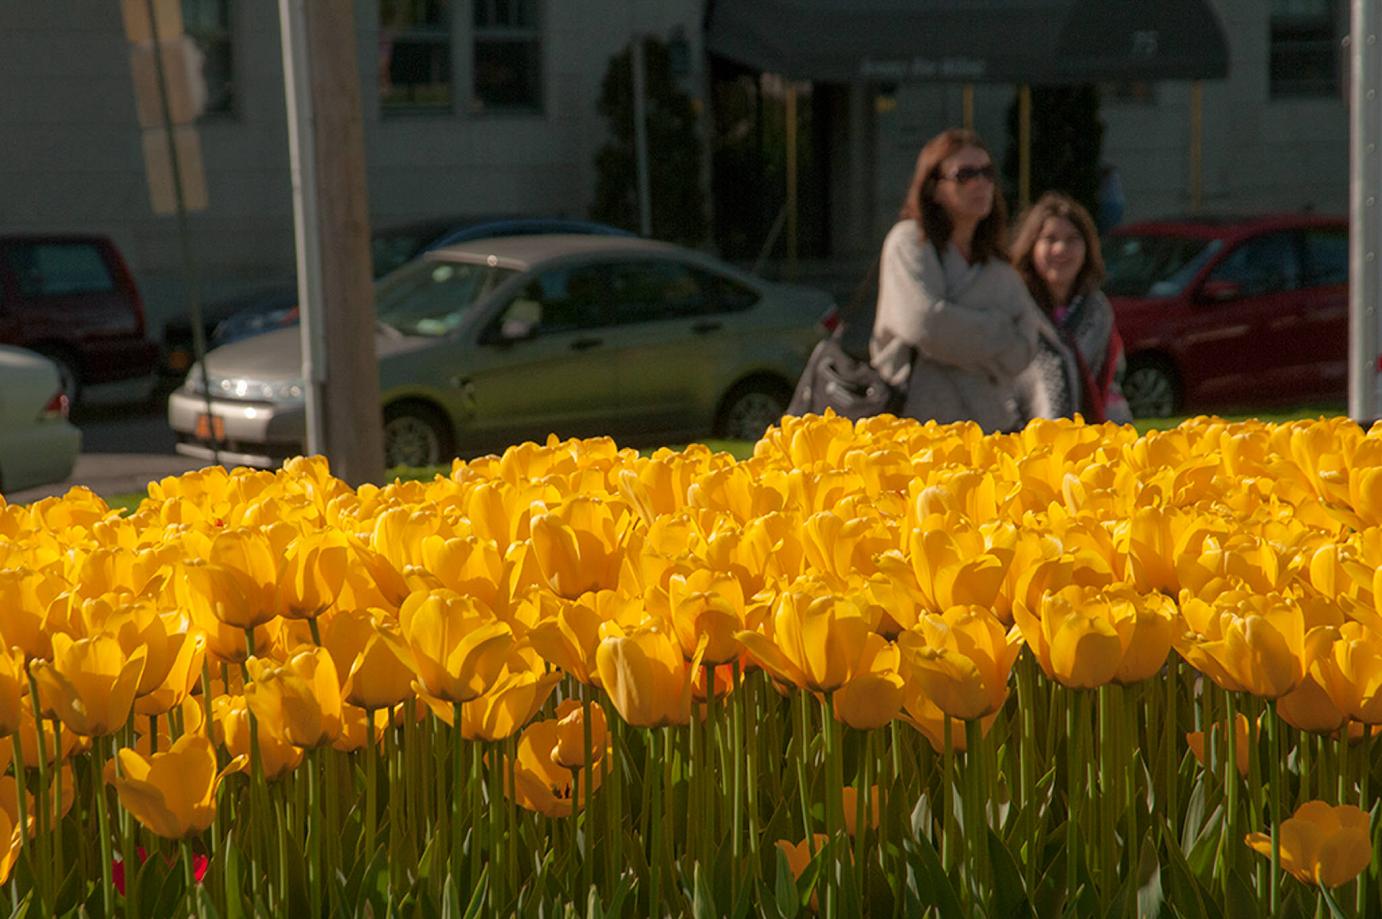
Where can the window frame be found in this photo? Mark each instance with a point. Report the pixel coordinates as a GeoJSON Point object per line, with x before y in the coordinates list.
{"type": "Point", "coordinates": [1286, 51]}
{"type": "Point", "coordinates": [1296, 245]}
{"type": "Point", "coordinates": [442, 35]}
{"type": "Point", "coordinates": [482, 33]}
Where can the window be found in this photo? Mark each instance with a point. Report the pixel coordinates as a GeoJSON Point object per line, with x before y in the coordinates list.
{"type": "Point", "coordinates": [207, 23]}
{"type": "Point", "coordinates": [1304, 48]}
{"type": "Point", "coordinates": [59, 269]}
{"type": "Point", "coordinates": [434, 297]}
{"type": "Point", "coordinates": [653, 290]}
{"type": "Point", "coordinates": [726, 294]}
{"type": "Point", "coordinates": [1326, 257]}
{"type": "Point", "coordinates": [562, 300]}
{"type": "Point", "coordinates": [508, 56]}
{"type": "Point", "coordinates": [1263, 265]}
{"type": "Point", "coordinates": [414, 54]}
{"type": "Point", "coordinates": [1153, 266]}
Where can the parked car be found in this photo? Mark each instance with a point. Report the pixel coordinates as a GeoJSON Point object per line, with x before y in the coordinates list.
{"type": "Point", "coordinates": [498, 341]}
{"type": "Point", "coordinates": [275, 307]}
{"type": "Point", "coordinates": [38, 446]}
{"type": "Point", "coordinates": [1219, 313]}
{"type": "Point", "coordinates": [72, 299]}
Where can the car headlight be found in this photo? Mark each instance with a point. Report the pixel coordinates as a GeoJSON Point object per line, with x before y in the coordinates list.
{"type": "Point", "coordinates": [241, 389]}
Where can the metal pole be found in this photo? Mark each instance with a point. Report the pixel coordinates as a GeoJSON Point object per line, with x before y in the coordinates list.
{"type": "Point", "coordinates": [1196, 145]}
{"type": "Point", "coordinates": [640, 139]}
{"type": "Point", "coordinates": [297, 91]}
{"type": "Point", "coordinates": [791, 129]}
{"type": "Point", "coordinates": [189, 262]}
{"type": "Point", "coordinates": [967, 106]}
{"type": "Point", "coordinates": [1024, 146]}
{"type": "Point", "coordinates": [1365, 216]}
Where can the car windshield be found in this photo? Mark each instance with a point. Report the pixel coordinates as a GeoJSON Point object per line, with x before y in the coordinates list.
{"type": "Point", "coordinates": [1154, 266]}
{"type": "Point", "coordinates": [431, 297]}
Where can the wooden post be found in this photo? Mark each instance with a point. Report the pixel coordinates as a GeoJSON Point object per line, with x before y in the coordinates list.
{"type": "Point", "coordinates": [1024, 146]}
{"type": "Point", "coordinates": [331, 222]}
{"type": "Point", "coordinates": [967, 106]}
{"type": "Point", "coordinates": [1196, 145]}
{"type": "Point", "coordinates": [791, 128]}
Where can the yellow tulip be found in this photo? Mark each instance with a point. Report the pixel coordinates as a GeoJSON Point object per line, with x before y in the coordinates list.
{"type": "Point", "coordinates": [26, 597]}
{"type": "Point", "coordinates": [57, 746]}
{"type": "Point", "coordinates": [180, 677]}
{"type": "Point", "coordinates": [646, 675]}
{"type": "Point", "coordinates": [468, 565]}
{"type": "Point", "coordinates": [570, 750]}
{"type": "Point", "coordinates": [1242, 756]}
{"type": "Point", "coordinates": [311, 574]}
{"type": "Point", "coordinates": [540, 784]}
{"type": "Point", "coordinates": [569, 636]}
{"type": "Point", "coordinates": [922, 713]}
{"type": "Point", "coordinates": [962, 660]}
{"type": "Point", "coordinates": [369, 651]}
{"type": "Point", "coordinates": [277, 757]}
{"type": "Point", "coordinates": [1309, 708]}
{"type": "Point", "coordinates": [508, 705]}
{"type": "Point", "coordinates": [850, 796]}
{"type": "Point", "coordinates": [1351, 673]}
{"type": "Point", "coordinates": [459, 648]}
{"type": "Point", "coordinates": [172, 794]}
{"type": "Point", "coordinates": [11, 840]}
{"type": "Point", "coordinates": [706, 605]}
{"type": "Point", "coordinates": [873, 696]}
{"type": "Point", "coordinates": [953, 566]}
{"type": "Point", "coordinates": [14, 691]}
{"type": "Point", "coordinates": [1253, 643]}
{"type": "Point", "coordinates": [237, 583]}
{"type": "Point", "coordinates": [299, 700]}
{"type": "Point", "coordinates": [818, 641]}
{"type": "Point", "coordinates": [355, 728]}
{"type": "Point", "coordinates": [89, 684]}
{"type": "Point", "coordinates": [577, 547]}
{"type": "Point", "coordinates": [1321, 845]}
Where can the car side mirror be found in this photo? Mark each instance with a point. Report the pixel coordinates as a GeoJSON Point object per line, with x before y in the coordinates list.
{"type": "Point", "coordinates": [1220, 291]}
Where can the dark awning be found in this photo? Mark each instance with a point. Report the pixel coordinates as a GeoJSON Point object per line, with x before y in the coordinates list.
{"type": "Point", "coordinates": [971, 41]}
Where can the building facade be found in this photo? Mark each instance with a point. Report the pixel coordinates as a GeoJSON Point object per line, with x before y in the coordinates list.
{"type": "Point", "coordinates": [490, 106]}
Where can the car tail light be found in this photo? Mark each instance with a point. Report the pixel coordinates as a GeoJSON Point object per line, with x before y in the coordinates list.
{"type": "Point", "coordinates": [57, 406]}
{"type": "Point", "coordinates": [831, 320]}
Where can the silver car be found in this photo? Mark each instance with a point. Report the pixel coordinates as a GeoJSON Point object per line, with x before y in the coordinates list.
{"type": "Point", "coordinates": [498, 341]}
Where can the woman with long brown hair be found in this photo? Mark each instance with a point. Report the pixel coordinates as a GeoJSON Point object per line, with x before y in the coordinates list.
{"type": "Point", "coordinates": [955, 324]}
{"type": "Point", "coordinates": [1057, 253]}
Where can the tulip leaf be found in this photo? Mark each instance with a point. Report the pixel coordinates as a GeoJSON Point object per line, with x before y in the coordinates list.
{"type": "Point", "coordinates": [1334, 909]}
{"type": "Point", "coordinates": [476, 905]}
{"type": "Point", "coordinates": [1149, 893]}
{"type": "Point", "coordinates": [936, 888]}
{"type": "Point", "coordinates": [785, 892]}
{"type": "Point", "coordinates": [1242, 903]}
{"type": "Point", "coordinates": [702, 900]}
{"type": "Point", "coordinates": [1010, 895]}
{"type": "Point", "coordinates": [1187, 896]}
{"type": "Point", "coordinates": [921, 818]}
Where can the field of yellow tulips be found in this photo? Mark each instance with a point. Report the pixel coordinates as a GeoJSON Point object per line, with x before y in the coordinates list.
{"type": "Point", "coordinates": [884, 668]}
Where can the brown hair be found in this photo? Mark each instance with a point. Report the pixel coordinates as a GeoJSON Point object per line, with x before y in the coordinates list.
{"type": "Point", "coordinates": [1055, 204]}
{"type": "Point", "coordinates": [990, 236]}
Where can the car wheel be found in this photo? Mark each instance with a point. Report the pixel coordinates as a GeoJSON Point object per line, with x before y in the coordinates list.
{"type": "Point", "coordinates": [1151, 388]}
{"type": "Point", "coordinates": [750, 409]}
{"type": "Point", "coordinates": [415, 435]}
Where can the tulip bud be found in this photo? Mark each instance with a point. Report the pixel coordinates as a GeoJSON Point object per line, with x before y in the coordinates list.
{"type": "Point", "coordinates": [570, 750]}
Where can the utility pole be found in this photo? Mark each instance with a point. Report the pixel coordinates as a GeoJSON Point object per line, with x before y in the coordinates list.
{"type": "Point", "coordinates": [1365, 211]}
{"type": "Point", "coordinates": [331, 225]}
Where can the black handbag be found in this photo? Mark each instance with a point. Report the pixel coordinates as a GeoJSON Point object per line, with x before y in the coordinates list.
{"type": "Point", "coordinates": [836, 379]}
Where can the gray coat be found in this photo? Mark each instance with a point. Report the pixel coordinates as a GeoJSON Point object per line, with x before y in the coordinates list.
{"type": "Point", "coordinates": [972, 328]}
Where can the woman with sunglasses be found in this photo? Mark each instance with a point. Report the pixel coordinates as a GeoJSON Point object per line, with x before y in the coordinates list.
{"type": "Point", "coordinates": [955, 324]}
{"type": "Point", "coordinates": [1057, 254]}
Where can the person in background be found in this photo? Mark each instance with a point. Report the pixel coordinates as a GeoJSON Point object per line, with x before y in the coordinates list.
{"type": "Point", "coordinates": [955, 324]}
{"type": "Point", "coordinates": [1057, 253]}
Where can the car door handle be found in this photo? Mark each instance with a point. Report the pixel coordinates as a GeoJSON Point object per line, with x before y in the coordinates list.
{"type": "Point", "coordinates": [585, 344]}
{"type": "Point", "coordinates": [709, 325]}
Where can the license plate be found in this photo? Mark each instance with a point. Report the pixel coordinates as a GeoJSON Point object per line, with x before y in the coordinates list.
{"type": "Point", "coordinates": [210, 427]}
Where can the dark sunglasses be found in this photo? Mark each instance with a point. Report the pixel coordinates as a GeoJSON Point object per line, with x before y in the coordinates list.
{"type": "Point", "coordinates": [966, 174]}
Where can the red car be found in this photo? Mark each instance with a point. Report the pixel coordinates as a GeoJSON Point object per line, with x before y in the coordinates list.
{"type": "Point", "coordinates": [72, 299]}
{"type": "Point", "coordinates": [1224, 313]}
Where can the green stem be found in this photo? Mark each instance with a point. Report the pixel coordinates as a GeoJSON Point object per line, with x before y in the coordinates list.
{"type": "Point", "coordinates": [476, 780]}
{"type": "Point", "coordinates": [1072, 780]}
{"type": "Point", "coordinates": [1174, 740]}
{"type": "Point", "coordinates": [737, 757]}
{"type": "Point", "coordinates": [655, 816]}
{"type": "Point", "coordinates": [98, 747]}
{"type": "Point", "coordinates": [1026, 768]}
{"type": "Point", "coordinates": [947, 800]}
{"type": "Point", "coordinates": [803, 788]}
{"type": "Point", "coordinates": [588, 771]}
{"type": "Point", "coordinates": [1365, 803]}
{"type": "Point", "coordinates": [1274, 765]}
{"type": "Point", "coordinates": [1230, 842]}
{"type": "Point", "coordinates": [863, 813]}
{"type": "Point", "coordinates": [42, 860]}
{"type": "Point", "coordinates": [1107, 853]}
{"type": "Point", "coordinates": [458, 796]}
